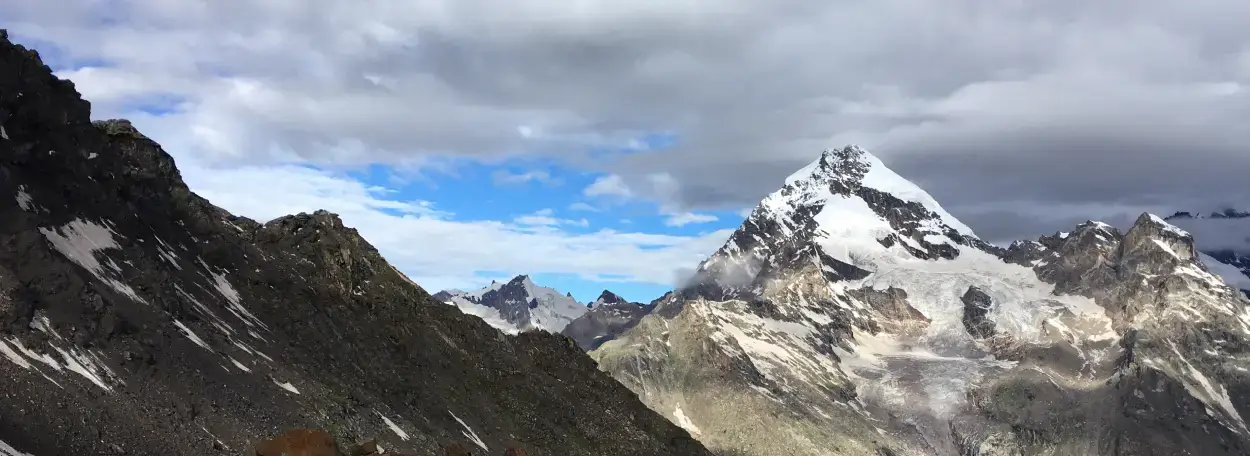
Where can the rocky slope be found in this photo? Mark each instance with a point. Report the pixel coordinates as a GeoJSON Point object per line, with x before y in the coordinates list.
{"type": "Point", "coordinates": [851, 315]}
{"type": "Point", "coordinates": [517, 305]}
{"type": "Point", "coordinates": [1224, 241]}
{"type": "Point", "coordinates": [609, 316]}
{"type": "Point", "coordinates": [136, 318]}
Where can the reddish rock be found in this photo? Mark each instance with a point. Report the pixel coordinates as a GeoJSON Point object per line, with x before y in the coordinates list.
{"type": "Point", "coordinates": [299, 442]}
{"type": "Point", "coordinates": [456, 449]}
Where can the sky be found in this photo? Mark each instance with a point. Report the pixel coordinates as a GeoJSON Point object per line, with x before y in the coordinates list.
{"type": "Point", "coordinates": [604, 144]}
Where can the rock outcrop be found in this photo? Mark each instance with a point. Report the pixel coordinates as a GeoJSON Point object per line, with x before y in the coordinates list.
{"type": "Point", "coordinates": [976, 306]}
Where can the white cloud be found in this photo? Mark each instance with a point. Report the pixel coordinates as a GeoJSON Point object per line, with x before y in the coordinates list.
{"type": "Point", "coordinates": [437, 250]}
{"type": "Point", "coordinates": [546, 218]}
{"type": "Point", "coordinates": [611, 185]}
{"type": "Point", "coordinates": [539, 218]}
{"type": "Point", "coordinates": [504, 177]}
{"type": "Point", "coordinates": [581, 206]}
{"type": "Point", "coordinates": [686, 218]}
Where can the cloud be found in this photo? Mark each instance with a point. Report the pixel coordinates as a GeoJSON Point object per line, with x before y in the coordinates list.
{"type": "Point", "coordinates": [581, 206]}
{"type": "Point", "coordinates": [438, 250]}
{"type": "Point", "coordinates": [686, 218]}
{"type": "Point", "coordinates": [1213, 234]}
{"type": "Point", "coordinates": [1018, 104]}
{"type": "Point", "coordinates": [502, 177]}
{"type": "Point", "coordinates": [545, 218]}
{"type": "Point", "coordinates": [610, 186]}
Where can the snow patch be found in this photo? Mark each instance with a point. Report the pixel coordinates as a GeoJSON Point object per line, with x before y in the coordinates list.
{"type": "Point", "coordinates": [1168, 227]}
{"type": "Point", "coordinates": [882, 178]}
{"type": "Point", "coordinates": [79, 241]}
{"type": "Point", "coordinates": [83, 364]}
{"type": "Point", "coordinates": [240, 365]}
{"type": "Point", "coordinates": [1202, 388]}
{"type": "Point", "coordinates": [192, 336]}
{"type": "Point", "coordinates": [489, 315]}
{"type": "Point", "coordinates": [468, 433]}
{"type": "Point", "coordinates": [234, 302]}
{"type": "Point", "coordinates": [394, 428]}
{"type": "Point", "coordinates": [6, 449]}
{"type": "Point", "coordinates": [286, 386]}
{"type": "Point", "coordinates": [167, 253]}
{"type": "Point", "coordinates": [684, 421]}
{"type": "Point", "coordinates": [24, 200]}
{"type": "Point", "coordinates": [14, 356]}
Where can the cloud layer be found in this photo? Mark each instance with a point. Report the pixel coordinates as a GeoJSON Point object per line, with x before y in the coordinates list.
{"type": "Point", "coordinates": [1021, 117]}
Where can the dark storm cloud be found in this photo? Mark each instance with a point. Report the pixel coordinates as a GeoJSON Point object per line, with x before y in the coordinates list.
{"type": "Point", "coordinates": [1044, 113]}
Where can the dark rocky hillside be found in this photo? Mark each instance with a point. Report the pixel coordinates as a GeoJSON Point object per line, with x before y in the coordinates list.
{"type": "Point", "coordinates": [137, 318]}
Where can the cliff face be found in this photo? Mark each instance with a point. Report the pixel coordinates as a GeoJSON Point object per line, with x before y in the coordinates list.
{"type": "Point", "coordinates": [137, 318]}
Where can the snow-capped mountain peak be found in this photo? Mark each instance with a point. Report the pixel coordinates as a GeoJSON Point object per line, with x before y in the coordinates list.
{"type": "Point", "coordinates": [517, 305]}
{"type": "Point", "coordinates": [848, 214]}
{"type": "Point", "coordinates": [847, 170]}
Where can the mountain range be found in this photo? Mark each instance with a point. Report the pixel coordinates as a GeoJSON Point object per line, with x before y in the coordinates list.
{"type": "Point", "coordinates": [137, 318]}
{"type": "Point", "coordinates": [520, 304]}
{"type": "Point", "coordinates": [850, 314]}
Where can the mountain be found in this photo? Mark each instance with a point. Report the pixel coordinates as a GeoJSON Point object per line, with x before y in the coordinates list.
{"type": "Point", "coordinates": [1224, 240]}
{"type": "Point", "coordinates": [609, 316]}
{"type": "Point", "coordinates": [850, 314]}
{"type": "Point", "coordinates": [517, 305]}
{"type": "Point", "coordinates": [137, 318]}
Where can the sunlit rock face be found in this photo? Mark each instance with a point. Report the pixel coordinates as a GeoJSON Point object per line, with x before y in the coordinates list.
{"type": "Point", "coordinates": [850, 314]}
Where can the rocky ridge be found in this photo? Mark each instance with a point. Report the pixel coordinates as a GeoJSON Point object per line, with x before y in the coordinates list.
{"type": "Point", "coordinates": [137, 318]}
{"type": "Point", "coordinates": [850, 314]}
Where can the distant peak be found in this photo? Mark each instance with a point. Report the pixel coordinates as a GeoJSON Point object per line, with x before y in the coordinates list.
{"type": "Point", "coordinates": [1231, 213]}
{"type": "Point", "coordinates": [609, 297]}
{"type": "Point", "coordinates": [1180, 215]}
{"type": "Point", "coordinates": [1226, 213]}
